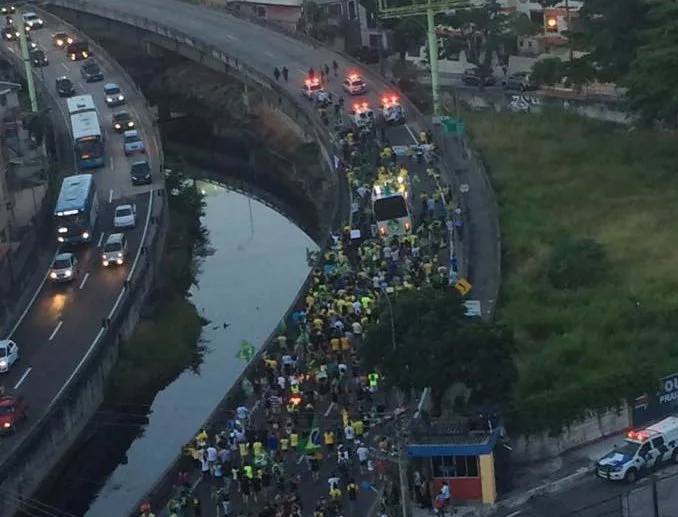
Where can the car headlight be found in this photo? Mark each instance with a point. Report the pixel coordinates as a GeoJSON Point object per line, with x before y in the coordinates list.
{"type": "Point", "coordinates": [60, 239]}
{"type": "Point", "coordinates": [7, 425]}
{"type": "Point", "coordinates": [52, 275]}
{"type": "Point", "coordinates": [130, 123]}
{"type": "Point", "coordinates": [85, 235]}
{"type": "Point", "coordinates": [3, 363]}
{"type": "Point", "coordinates": [68, 273]}
{"type": "Point", "coordinates": [105, 263]}
{"type": "Point", "coordinates": [117, 126]}
{"type": "Point", "coordinates": [119, 261]}
{"type": "Point", "coordinates": [119, 254]}
{"type": "Point", "coordinates": [109, 99]}
{"type": "Point", "coordinates": [121, 97]}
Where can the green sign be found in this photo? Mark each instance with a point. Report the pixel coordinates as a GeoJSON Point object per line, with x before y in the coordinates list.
{"type": "Point", "coordinates": [246, 351]}
{"type": "Point", "coordinates": [454, 126]}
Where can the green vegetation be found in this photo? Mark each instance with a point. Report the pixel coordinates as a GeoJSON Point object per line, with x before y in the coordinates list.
{"type": "Point", "coordinates": [167, 340]}
{"type": "Point", "coordinates": [428, 340]}
{"type": "Point", "coordinates": [587, 214]}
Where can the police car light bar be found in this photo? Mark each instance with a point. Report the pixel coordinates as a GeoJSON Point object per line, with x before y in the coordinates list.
{"type": "Point", "coordinates": [312, 82]}
{"type": "Point", "coordinates": [364, 105]}
{"type": "Point", "coordinates": [354, 77]}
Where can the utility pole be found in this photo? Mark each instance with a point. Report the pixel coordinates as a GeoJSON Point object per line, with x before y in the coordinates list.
{"type": "Point", "coordinates": [430, 9]}
{"type": "Point", "coordinates": [402, 475]}
{"type": "Point", "coordinates": [25, 56]}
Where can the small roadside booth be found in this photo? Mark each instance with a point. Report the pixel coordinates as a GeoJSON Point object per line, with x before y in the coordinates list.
{"type": "Point", "coordinates": [463, 452]}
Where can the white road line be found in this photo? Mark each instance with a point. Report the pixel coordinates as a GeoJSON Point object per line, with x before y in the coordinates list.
{"type": "Point", "coordinates": [269, 54]}
{"type": "Point", "coordinates": [82, 87]}
{"type": "Point", "coordinates": [110, 195]}
{"type": "Point", "coordinates": [514, 514]}
{"type": "Point", "coordinates": [65, 66]}
{"type": "Point", "coordinates": [30, 303]}
{"type": "Point", "coordinates": [329, 409]}
{"type": "Point", "coordinates": [112, 164]}
{"type": "Point", "coordinates": [56, 329]}
{"type": "Point", "coordinates": [23, 378]}
{"type": "Point", "coordinates": [77, 369]}
{"type": "Point", "coordinates": [136, 259]}
{"type": "Point", "coordinates": [101, 239]}
{"type": "Point", "coordinates": [411, 133]}
{"type": "Point", "coordinates": [84, 281]}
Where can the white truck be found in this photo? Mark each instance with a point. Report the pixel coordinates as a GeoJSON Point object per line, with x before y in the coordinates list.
{"type": "Point", "coordinates": [642, 451]}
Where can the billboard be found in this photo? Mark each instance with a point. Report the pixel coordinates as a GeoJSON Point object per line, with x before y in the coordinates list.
{"type": "Point", "coordinates": [654, 407]}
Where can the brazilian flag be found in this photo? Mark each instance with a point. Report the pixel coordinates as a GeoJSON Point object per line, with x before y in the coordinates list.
{"type": "Point", "coordinates": [314, 440]}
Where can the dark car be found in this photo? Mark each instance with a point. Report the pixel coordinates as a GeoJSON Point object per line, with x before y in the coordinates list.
{"type": "Point", "coordinates": [62, 39]}
{"type": "Point", "coordinates": [91, 72]}
{"type": "Point", "coordinates": [367, 55]}
{"type": "Point", "coordinates": [64, 87]}
{"type": "Point", "coordinates": [521, 81]}
{"type": "Point", "coordinates": [10, 34]}
{"type": "Point", "coordinates": [38, 58]}
{"type": "Point", "coordinates": [122, 121]}
{"type": "Point", "coordinates": [12, 411]}
{"type": "Point", "coordinates": [140, 173]}
{"type": "Point", "coordinates": [477, 77]}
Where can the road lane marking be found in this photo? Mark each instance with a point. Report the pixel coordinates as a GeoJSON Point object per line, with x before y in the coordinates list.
{"type": "Point", "coordinates": [56, 329]}
{"type": "Point", "coordinates": [329, 409]}
{"type": "Point", "coordinates": [23, 378]}
{"type": "Point", "coordinates": [30, 302]}
{"type": "Point", "coordinates": [66, 67]}
{"type": "Point", "coordinates": [84, 281]}
{"type": "Point", "coordinates": [269, 54]}
{"type": "Point", "coordinates": [101, 239]}
{"type": "Point", "coordinates": [112, 164]}
{"type": "Point", "coordinates": [110, 195]}
{"type": "Point", "coordinates": [77, 369]}
{"type": "Point", "coordinates": [82, 87]}
{"type": "Point", "coordinates": [411, 133]}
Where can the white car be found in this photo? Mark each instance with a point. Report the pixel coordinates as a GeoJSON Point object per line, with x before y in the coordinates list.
{"type": "Point", "coordinates": [362, 116]}
{"type": "Point", "coordinates": [33, 21]}
{"type": "Point", "coordinates": [64, 268]}
{"type": "Point", "coordinates": [9, 354]}
{"type": "Point", "coordinates": [311, 87]}
{"type": "Point", "coordinates": [114, 95]}
{"type": "Point", "coordinates": [354, 85]}
{"type": "Point", "coordinates": [125, 216]}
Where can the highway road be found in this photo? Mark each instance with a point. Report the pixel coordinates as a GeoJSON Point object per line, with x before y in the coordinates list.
{"type": "Point", "coordinates": [265, 50]}
{"type": "Point", "coordinates": [58, 330]}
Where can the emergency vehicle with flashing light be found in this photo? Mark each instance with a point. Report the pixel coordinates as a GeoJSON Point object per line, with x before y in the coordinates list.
{"type": "Point", "coordinates": [323, 98]}
{"type": "Point", "coordinates": [392, 110]}
{"type": "Point", "coordinates": [311, 87]}
{"type": "Point", "coordinates": [391, 206]}
{"type": "Point", "coordinates": [354, 85]}
{"type": "Point", "coordinates": [641, 451]}
{"type": "Point", "coordinates": [362, 115]}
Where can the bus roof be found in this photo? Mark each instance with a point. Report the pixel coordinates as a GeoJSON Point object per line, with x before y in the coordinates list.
{"type": "Point", "coordinates": [80, 104]}
{"type": "Point", "coordinates": [85, 125]}
{"type": "Point", "coordinates": [74, 193]}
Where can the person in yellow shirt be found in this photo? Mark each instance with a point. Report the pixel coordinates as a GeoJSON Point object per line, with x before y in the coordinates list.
{"type": "Point", "coordinates": [329, 441]}
{"type": "Point", "coordinates": [244, 449]}
{"type": "Point", "coordinates": [335, 344]}
{"type": "Point", "coordinates": [257, 447]}
{"type": "Point", "coordinates": [358, 427]}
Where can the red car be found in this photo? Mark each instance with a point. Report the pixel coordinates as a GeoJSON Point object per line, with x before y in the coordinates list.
{"type": "Point", "coordinates": [12, 411]}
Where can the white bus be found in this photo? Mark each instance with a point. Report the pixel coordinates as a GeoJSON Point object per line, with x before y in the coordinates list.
{"type": "Point", "coordinates": [88, 140]}
{"type": "Point", "coordinates": [80, 104]}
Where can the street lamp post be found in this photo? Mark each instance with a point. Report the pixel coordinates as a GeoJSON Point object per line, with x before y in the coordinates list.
{"type": "Point", "coordinates": [25, 56]}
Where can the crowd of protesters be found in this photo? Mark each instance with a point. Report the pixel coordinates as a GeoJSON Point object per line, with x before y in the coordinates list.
{"type": "Point", "coordinates": [310, 441]}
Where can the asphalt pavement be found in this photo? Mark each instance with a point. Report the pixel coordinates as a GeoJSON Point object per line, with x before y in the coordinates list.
{"type": "Point", "coordinates": [59, 328]}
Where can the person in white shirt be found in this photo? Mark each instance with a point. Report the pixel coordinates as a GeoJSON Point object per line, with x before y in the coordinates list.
{"type": "Point", "coordinates": [349, 433]}
{"type": "Point", "coordinates": [333, 481]}
{"type": "Point", "coordinates": [281, 382]}
{"type": "Point", "coordinates": [242, 413]}
{"type": "Point", "coordinates": [363, 455]}
{"type": "Point", "coordinates": [211, 454]}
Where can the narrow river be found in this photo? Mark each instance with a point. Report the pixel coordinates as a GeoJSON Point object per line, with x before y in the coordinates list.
{"type": "Point", "coordinates": [244, 288]}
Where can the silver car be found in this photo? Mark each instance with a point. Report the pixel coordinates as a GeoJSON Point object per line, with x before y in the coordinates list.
{"type": "Point", "coordinates": [64, 268]}
{"type": "Point", "coordinates": [114, 251]}
{"type": "Point", "coordinates": [133, 142]}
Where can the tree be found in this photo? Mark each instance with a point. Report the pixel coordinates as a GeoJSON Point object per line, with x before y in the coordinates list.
{"type": "Point", "coordinates": [548, 71]}
{"type": "Point", "coordinates": [406, 33]}
{"type": "Point", "coordinates": [610, 30]}
{"type": "Point", "coordinates": [424, 338]}
{"type": "Point", "coordinates": [650, 81]}
{"type": "Point", "coordinates": [579, 72]}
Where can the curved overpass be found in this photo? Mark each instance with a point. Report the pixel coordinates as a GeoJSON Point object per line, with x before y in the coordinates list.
{"type": "Point", "coordinates": [64, 327]}
{"type": "Point", "coordinates": [206, 34]}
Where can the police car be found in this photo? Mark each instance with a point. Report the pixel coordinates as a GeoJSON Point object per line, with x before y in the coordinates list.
{"type": "Point", "coordinates": [641, 451]}
{"type": "Point", "coordinates": [311, 87]}
{"type": "Point", "coordinates": [391, 110]}
{"type": "Point", "coordinates": [362, 115]}
{"type": "Point", "coordinates": [354, 85]}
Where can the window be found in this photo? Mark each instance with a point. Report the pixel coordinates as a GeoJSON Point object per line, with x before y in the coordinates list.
{"type": "Point", "coordinates": [658, 442]}
{"type": "Point", "coordinates": [537, 17]}
{"type": "Point", "coordinates": [454, 466]}
{"type": "Point", "coordinates": [351, 11]}
{"type": "Point", "coordinates": [334, 10]}
{"type": "Point", "coordinates": [644, 449]}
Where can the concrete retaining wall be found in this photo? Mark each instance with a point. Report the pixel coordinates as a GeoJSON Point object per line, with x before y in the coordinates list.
{"type": "Point", "coordinates": [543, 446]}
{"type": "Point", "coordinates": [56, 431]}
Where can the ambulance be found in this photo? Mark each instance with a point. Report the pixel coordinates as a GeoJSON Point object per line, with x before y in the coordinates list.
{"type": "Point", "coordinates": [642, 451]}
{"type": "Point", "coordinates": [362, 115]}
{"type": "Point", "coordinates": [311, 88]}
{"type": "Point", "coordinates": [354, 85]}
{"type": "Point", "coordinates": [391, 110]}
